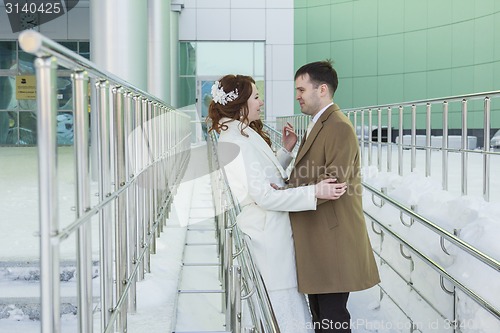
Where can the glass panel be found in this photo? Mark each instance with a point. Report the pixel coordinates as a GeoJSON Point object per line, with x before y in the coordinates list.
{"type": "Point", "coordinates": [25, 65]}
{"type": "Point", "coordinates": [187, 58]}
{"type": "Point", "coordinates": [64, 93]}
{"type": "Point", "coordinates": [187, 91]}
{"type": "Point", "coordinates": [27, 128]}
{"type": "Point", "coordinates": [259, 59]}
{"type": "Point", "coordinates": [6, 121]}
{"type": "Point", "coordinates": [65, 128]}
{"type": "Point", "coordinates": [7, 54]}
{"type": "Point", "coordinates": [222, 57]}
{"type": "Point", "coordinates": [73, 46]}
{"type": "Point", "coordinates": [8, 93]}
{"type": "Point", "coordinates": [85, 50]}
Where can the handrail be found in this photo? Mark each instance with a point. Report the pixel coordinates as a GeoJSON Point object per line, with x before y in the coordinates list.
{"type": "Point", "coordinates": [455, 98]}
{"type": "Point", "coordinates": [142, 151]}
{"type": "Point", "coordinates": [493, 263]}
{"type": "Point", "coordinates": [438, 268]}
{"type": "Point", "coordinates": [242, 249]}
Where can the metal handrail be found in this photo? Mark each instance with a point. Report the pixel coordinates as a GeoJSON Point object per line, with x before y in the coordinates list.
{"type": "Point", "coordinates": [242, 248]}
{"type": "Point", "coordinates": [402, 109]}
{"type": "Point", "coordinates": [439, 269]}
{"type": "Point", "coordinates": [484, 258]}
{"type": "Point", "coordinates": [150, 142]}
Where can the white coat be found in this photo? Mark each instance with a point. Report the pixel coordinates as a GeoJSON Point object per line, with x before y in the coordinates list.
{"type": "Point", "coordinates": [264, 211]}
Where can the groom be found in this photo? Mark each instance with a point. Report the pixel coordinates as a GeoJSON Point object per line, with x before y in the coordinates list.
{"type": "Point", "coordinates": [333, 251]}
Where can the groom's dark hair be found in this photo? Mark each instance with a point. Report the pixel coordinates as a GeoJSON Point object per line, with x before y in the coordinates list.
{"type": "Point", "coordinates": [320, 72]}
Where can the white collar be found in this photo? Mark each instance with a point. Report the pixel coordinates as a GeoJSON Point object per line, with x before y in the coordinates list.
{"type": "Point", "coordinates": [316, 117]}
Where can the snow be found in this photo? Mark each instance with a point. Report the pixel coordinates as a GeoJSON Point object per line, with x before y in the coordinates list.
{"type": "Point", "coordinates": [476, 221]}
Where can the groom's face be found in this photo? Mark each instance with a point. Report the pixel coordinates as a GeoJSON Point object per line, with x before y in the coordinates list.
{"type": "Point", "coordinates": [307, 95]}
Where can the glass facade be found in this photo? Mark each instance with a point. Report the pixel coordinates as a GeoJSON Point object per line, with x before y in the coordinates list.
{"type": "Point", "coordinates": [200, 61]}
{"type": "Point", "coordinates": [18, 113]}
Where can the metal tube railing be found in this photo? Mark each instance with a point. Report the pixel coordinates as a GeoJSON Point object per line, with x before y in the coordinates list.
{"type": "Point", "coordinates": [84, 241]}
{"type": "Point", "coordinates": [143, 148]}
{"type": "Point", "coordinates": [48, 206]}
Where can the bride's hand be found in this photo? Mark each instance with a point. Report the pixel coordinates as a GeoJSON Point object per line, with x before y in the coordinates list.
{"type": "Point", "coordinates": [329, 189]}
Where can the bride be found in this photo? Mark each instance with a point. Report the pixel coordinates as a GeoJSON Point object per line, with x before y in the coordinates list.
{"type": "Point", "coordinates": [251, 167]}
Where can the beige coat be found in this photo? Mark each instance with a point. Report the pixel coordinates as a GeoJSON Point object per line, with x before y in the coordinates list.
{"type": "Point", "coordinates": [332, 248]}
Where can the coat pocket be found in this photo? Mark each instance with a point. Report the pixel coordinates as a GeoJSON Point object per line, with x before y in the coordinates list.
{"type": "Point", "coordinates": [330, 216]}
{"type": "Point", "coordinates": [252, 219]}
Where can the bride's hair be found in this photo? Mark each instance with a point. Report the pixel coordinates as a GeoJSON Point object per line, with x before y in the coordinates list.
{"type": "Point", "coordinates": [231, 102]}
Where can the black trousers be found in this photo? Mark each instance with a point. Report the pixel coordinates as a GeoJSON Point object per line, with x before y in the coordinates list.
{"type": "Point", "coordinates": [329, 312]}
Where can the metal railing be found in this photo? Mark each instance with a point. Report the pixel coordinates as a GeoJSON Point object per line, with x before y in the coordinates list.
{"type": "Point", "coordinates": [234, 245]}
{"type": "Point", "coordinates": [142, 149]}
{"type": "Point", "coordinates": [420, 121]}
{"type": "Point", "coordinates": [300, 123]}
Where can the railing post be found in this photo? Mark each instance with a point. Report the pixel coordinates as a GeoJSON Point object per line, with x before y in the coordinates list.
{"type": "Point", "coordinates": [140, 191]}
{"type": "Point", "coordinates": [413, 137]}
{"type": "Point", "coordinates": [445, 146]}
{"type": "Point", "coordinates": [400, 147]}
{"type": "Point", "coordinates": [486, 156]}
{"type": "Point", "coordinates": [145, 184]}
{"type": "Point", "coordinates": [83, 234]}
{"type": "Point", "coordinates": [227, 283]}
{"type": "Point", "coordinates": [370, 136]}
{"type": "Point", "coordinates": [465, 146]}
{"type": "Point", "coordinates": [105, 216]}
{"type": "Point", "coordinates": [379, 139]}
{"type": "Point", "coordinates": [428, 140]}
{"type": "Point", "coordinates": [130, 157]}
{"type": "Point", "coordinates": [362, 148]}
{"type": "Point", "coordinates": [48, 206]}
{"type": "Point", "coordinates": [120, 204]}
{"type": "Point", "coordinates": [235, 299]}
{"type": "Point", "coordinates": [389, 139]}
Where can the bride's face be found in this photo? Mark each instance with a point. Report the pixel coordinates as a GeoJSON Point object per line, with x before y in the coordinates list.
{"type": "Point", "coordinates": [254, 104]}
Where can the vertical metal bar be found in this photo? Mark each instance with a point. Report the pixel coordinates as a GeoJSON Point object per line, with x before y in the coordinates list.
{"type": "Point", "coordinates": [228, 263]}
{"type": "Point", "coordinates": [428, 140]}
{"type": "Point", "coordinates": [47, 193]}
{"type": "Point", "coordinates": [130, 156]}
{"type": "Point", "coordinates": [150, 172]}
{"type": "Point", "coordinates": [389, 139]}
{"type": "Point", "coordinates": [413, 137]}
{"type": "Point", "coordinates": [486, 156]}
{"type": "Point", "coordinates": [370, 136]}
{"type": "Point", "coordinates": [83, 234]}
{"type": "Point", "coordinates": [465, 145]}
{"type": "Point", "coordinates": [444, 145]}
{"type": "Point", "coordinates": [400, 146]}
{"type": "Point", "coordinates": [236, 299]}
{"type": "Point", "coordinates": [105, 222]}
{"type": "Point", "coordinates": [120, 205]}
{"type": "Point", "coordinates": [362, 148]}
{"type": "Point", "coordinates": [139, 137]}
{"type": "Point", "coordinates": [379, 139]}
{"type": "Point", "coordinates": [145, 182]}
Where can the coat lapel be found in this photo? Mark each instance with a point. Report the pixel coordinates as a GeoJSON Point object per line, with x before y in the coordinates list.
{"type": "Point", "coordinates": [305, 146]}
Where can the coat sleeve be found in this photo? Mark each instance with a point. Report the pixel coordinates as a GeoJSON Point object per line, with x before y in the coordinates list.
{"type": "Point", "coordinates": [284, 157]}
{"type": "Point", "coordinates": [249, 181]}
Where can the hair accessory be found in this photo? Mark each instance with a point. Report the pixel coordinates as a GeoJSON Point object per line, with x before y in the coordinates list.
{"type": "Point", "coordinates": [219, 96]}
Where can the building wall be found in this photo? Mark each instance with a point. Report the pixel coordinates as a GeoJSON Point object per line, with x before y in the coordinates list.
{"type": "Point", "coordinates": [389, 51]}
{"type": "Point", "coordinates": [270, 21]}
